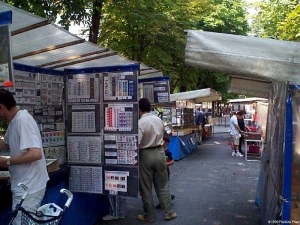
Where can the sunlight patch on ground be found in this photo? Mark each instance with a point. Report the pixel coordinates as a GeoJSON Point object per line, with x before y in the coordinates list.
{"type": "Point", "coordinates": [215, 143]}
{"type": "Point", "coordinates": [240, 216]}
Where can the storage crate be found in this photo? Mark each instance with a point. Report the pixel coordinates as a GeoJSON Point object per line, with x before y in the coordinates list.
{"type": "Point", "coordinates": [253, 149]}
{"type": "Point", "coordinates": [252, 136]}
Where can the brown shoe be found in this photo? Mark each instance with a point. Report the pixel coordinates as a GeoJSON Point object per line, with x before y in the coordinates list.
{"type": "Point", "coordinates": [170, 216]}
{"type": "Point", "coordinates": [143, 219]}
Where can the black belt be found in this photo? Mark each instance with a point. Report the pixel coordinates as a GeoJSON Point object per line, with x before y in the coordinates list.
{"type": "Point", "coordinates": [158, 146]}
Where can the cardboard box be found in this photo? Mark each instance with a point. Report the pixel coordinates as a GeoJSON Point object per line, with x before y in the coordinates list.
{"type": "Point", "coordinates": [52, 165]}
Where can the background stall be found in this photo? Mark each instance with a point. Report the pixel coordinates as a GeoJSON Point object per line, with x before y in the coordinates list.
{"type": "Point", "coordinates": [256, 109]}
{"type": "Point", "coordinates": [256, 120]}
{"type": "Point", "coordinates": [186, 135]}
{"type": "Point", "coordinates": [157, 90]}
{"type": "Point", "coordinates": [263, 68]}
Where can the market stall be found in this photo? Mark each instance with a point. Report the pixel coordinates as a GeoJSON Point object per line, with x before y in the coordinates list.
{"type": "Point", "coordinates": [157, 90]}
{"type": "Point", "coordinates": [263, 68]}
{"type": "Point", "coordinates": [84, 99]}
{"type": "Point", "coordinates": [255, 119]}
{"type": "Point", "coordinates": [94, 157]}
{"type": "Point", "coordinates": [186, 134]}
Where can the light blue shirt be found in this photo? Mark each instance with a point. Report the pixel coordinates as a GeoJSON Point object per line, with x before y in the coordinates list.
{"type": "Point", "coordinates": [233, 122]}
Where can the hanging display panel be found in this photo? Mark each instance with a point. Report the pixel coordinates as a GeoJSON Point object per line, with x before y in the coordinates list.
{"type": "Point", "coordinates": [84, 118]}
{"type": "Point", "coordinates": [157, 90]}
{"type": "Point", "coordinates": [83, 88]}
{"type": "Point", "coordinates": [51, 89]}
{"type": "Point", "coordinates": [119, 86]}
{"type": "Point", "coordinates": [121, 180]}
{"type": "Point", "coordinates": [86, 179]}
{"type": "Point", "coordinates": [25, 87]}
{"type": "Point", "coordinates": [121, 117]}
{"type": "Point", "coordinates": [103, 127]}
{"type": "Point", "coordinates": [84, 149]}
{"type": "Point", "coordinates": [51, 117]}
{"type": "Point", "coordinates": [40, 92]}
{"type": "Point", "coordinates": [121, 149]}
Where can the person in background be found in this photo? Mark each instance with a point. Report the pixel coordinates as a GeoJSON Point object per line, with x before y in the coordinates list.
{"type": "Point", "coordinates": [152, 164]}
{"type": "Point", "coordinates": [26, 164]}
{"type": "Point", "coordinates": [200, 118]}
{"type": "Point", "coordinates": [169, 159]}
{"type": "Point", "coordinates": [243, 128]}
{"type": "Point", "coordinates": [200, 121]}
{"type": "Point", "coordinates": [117, 208]}
{"type": "Point", "coordinates": [235, 131]}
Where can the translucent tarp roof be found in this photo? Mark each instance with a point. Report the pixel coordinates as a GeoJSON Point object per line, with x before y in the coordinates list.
{"type": "Point", "coordinates": [198, 96]}
{"type": "Point", "coordinates": [36, 42]}
{"type": "Point", "coordinates": [249, 87]}
{"type": "Point", "coordinates": [244, 56]}
{"type": "Point", "coordinates": [248, 100]}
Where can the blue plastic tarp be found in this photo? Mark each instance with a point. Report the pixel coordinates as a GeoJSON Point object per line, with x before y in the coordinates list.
{"type": "Point", "coordinates": [181, 146]}
{"type": "Point", "coordinates": [5, 18]}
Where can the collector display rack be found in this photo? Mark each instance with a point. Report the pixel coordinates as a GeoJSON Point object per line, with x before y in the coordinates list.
{"type": "Point", "coordinates": [88, 119]}
{"type": "Point", "coordinates": [40, 92]}
{"type": "Point", "coordinates": [157, 90]}
{"type": "Point", "coordinates": [102, 130]}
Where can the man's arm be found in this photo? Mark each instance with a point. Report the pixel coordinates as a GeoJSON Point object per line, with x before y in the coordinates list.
{"type": "Point", "coordinates": [31, 155]}
{"type": "Point", "coordinates": [237, 127]}
{"type": "Point", "coordinates": [170, 162]}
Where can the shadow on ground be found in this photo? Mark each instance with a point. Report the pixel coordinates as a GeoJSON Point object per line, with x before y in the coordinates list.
{"type": "Point", "coordinates": [211, 187]}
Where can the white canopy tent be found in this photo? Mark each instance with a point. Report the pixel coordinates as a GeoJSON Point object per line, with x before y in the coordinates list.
{"type": "Point", "coordinates": [249, 87]}
{"type": "Point", "coordinates": [261, 68]}
{"type": "Point", "coordinates": [250, 57]}
{"type": "Point", "coordinates": [37, 42]}
{"type": "Point", "coordinates": [198, 96]}
{"type": "Point", "coordinates": [248, 100]}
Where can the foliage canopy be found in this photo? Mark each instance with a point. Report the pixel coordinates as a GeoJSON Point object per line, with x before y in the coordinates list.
{"type": "Point", "coordinates": [153, 31]}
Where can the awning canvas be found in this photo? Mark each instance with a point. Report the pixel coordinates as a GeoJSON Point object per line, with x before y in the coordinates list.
{"type": "Point", "coordinates": [197, 96]}
{"type": "Point", "coordinates": [245, 56]}
{"type": "Point", "coordinates": [37, 42]}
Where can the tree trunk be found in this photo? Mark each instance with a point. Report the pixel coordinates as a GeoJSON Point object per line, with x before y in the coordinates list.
{"type": "Point", "coordinates": [95, 24]}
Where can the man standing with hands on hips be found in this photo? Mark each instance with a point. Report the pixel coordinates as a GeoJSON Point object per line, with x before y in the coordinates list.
{"type": "Point", "coordinates": [152, 164]}
{"type": "Point", "coordinates": [27, 162]}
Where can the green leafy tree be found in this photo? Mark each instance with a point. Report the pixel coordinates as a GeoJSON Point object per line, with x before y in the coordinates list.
{"type": "Point", "coordinates": [277, 19]}
{"type": "Point", "coordinates": [226, 16]}
{"type": "Point", "coordinates": [150, 31]}
{"type": "Point", "coordinates": [153, 32]}
{"type": "Point", "coordinates": [229, 16]}
{"type": "Point", "coordinates": [66, 12]}
{"type": "Point", "coordinates": [289, 29]}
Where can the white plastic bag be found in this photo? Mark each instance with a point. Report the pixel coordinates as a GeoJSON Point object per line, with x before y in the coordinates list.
{"type": "Point", "coordinates": [50, 209]}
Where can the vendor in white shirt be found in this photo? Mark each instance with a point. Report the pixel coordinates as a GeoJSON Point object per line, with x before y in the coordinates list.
{"type": "Point", "coordinates": [27, 162]}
